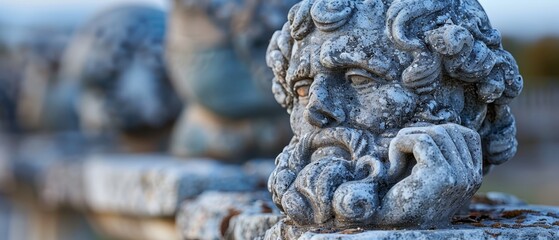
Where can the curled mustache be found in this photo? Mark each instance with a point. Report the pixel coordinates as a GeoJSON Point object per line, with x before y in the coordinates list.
{"type": "Point", "coordinates": [330, 174]}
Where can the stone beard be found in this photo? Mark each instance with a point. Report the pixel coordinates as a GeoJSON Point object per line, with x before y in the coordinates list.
{"type": "Point", "coordinates": [398, 109]}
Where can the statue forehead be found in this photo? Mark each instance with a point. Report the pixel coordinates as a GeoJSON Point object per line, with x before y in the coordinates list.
{"type": "Point", "coordinates": [361, 42]}
{"type": "Point", "coordinates": [347, 47]}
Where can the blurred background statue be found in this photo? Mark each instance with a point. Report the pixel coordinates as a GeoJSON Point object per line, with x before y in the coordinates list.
{"type": "Point", "coordinates": [116, 63]}
{"type": "Point", "coordinates": [216, 55]}
{"type": "Point", "coordinates": [39, 75]}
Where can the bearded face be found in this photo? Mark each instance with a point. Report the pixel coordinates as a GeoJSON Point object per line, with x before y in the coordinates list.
{"type": "Point", "coordinates": [373, 109]}
{"type": "Point", "coordinates": [346, 107]}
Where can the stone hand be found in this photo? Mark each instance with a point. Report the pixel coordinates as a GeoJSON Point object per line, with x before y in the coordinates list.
{"type": "Point", "coordinates": [447, 173]}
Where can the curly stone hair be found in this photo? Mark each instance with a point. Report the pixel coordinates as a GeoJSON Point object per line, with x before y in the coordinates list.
{"type": "Point", "coordinates": [447, 42]}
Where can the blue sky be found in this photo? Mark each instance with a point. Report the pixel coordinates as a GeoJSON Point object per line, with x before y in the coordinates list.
{"type": "Point", "coordinates": [526, 19]}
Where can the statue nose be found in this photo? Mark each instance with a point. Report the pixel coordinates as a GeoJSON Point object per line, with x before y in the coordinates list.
{"type": "Point", "coordinates": [321, 112]}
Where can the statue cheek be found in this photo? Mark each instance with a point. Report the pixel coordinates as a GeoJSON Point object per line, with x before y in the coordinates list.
{"type": "Point", "coordinates": [297, 118]}
{"type": "Point", "coordinates": [366, 111]}
{"type": "Point", "coordinates": [399, 105]}
{"type": "Point", "coordinates": [387, 107]}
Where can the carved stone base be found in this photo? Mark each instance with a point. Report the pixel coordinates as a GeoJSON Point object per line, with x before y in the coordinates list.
{"type": "Point", "coordinates": [483, 222]}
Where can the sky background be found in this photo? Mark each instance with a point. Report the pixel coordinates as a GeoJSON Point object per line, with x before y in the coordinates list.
{"type": "Point", "coordinates": [526, 19]}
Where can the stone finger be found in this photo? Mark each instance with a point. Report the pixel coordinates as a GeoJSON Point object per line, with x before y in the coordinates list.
{"type": "Point", "coordinates": [443, 141]}
{"type": "Point", "coordinates": [474, 145]}
{"type": "Point", "coordinates": [449, 150]}
{"type": "Point", "coordinates": [421, 146]}
{"type": "Point", "coordinates": [461, 145]}
{"type": "Point", "coordinates": [472, 172]}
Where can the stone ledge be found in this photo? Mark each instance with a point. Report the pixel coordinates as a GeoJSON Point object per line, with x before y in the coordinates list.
{"type": "Point", "coordinates": [142, 185]}
{"type": "Point", "coordinates": [219, 215]}
{"type": "Point", "coordinates": [483, 222]}
{"type": "Point", "coordinates": [251, 226]}
{"type": "Point", "coordinates": [509, 234]}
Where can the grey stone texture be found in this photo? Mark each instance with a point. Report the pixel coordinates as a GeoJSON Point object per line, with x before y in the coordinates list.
{"type": "Point", "coordinates": [216, 55]}
{"type": "Point", "coordinates": [482, 222]}
{"type": "Point", "coordinates": [251, 226]}
{"type": "Point", "coordinates": [218, 215]}
{"type": "Point", "coordinates": [398, 109]}
{"type": "Point", "coordinates": [141, 185]}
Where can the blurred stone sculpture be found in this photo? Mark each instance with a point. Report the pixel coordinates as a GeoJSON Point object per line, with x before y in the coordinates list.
{"type": "Point", "coordinates": [42, 58]}
{"type": "Point", "coordinates": [28, 70]}
{"type": "Point", "coordinates": [398, 109]}
{"type": "Point", "coordinates": [216, 53]}
{"type": "Point", "coordinates": [116, 60]}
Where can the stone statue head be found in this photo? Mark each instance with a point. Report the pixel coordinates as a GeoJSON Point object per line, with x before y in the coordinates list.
{"type": "Point", "coordinates": [116, 59]}
{"type": "Point", "coordinates": [353, 74]}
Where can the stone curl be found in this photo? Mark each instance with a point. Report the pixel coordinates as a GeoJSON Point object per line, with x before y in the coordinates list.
{"type": "Point", "coordinates": [464, 44]}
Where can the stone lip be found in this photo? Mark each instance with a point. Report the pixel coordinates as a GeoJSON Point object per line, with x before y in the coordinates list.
{"type": "Point", "coordinates": [484, 221]}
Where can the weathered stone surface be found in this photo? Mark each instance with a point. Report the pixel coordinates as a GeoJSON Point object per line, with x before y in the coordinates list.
{"type": "Point", "coordinates": [63, 184]}
{"type": "Point", "coordinates": [484, 222]}
{"type": "Point", "coordinates": [211, 216]}
{"type": "Point", "coordinates": [251, 226]}
{"type": "Point", "coordinates": [397, 107]}
{"type": "Point", "coordinates": [216, 52]}
{"type": "Point", "coordinates": [141, 185]}
{"type": "Point", "coordinates": [488, 233]}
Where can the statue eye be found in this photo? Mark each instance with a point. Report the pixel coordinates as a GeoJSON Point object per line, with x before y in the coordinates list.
{"type": "Point", "coordinates": [302, 87]}
{"type": "Point", "coordinates": [361, 77]}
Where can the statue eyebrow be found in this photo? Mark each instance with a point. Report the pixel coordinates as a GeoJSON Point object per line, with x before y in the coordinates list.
{"type": "Point", "coordinates": [374, 66]}
{"type": "Point", "coordinates": [379, 65]}
{"type": "Point", "coordinates": [374, 63]}
{"type": "Point", "coordinates": [303, 70]}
